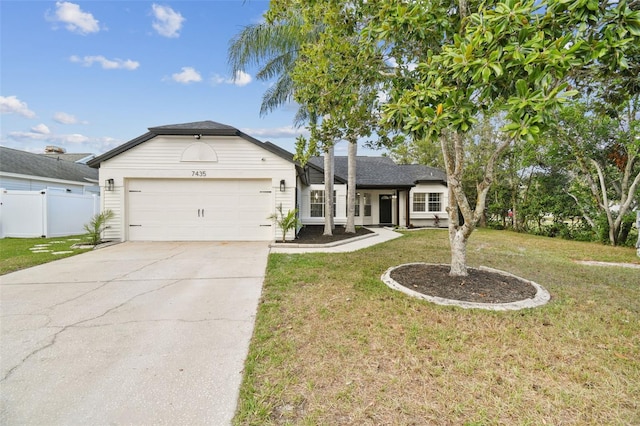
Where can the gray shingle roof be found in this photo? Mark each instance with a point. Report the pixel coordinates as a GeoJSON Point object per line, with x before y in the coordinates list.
{"type": "Point", "coordinates": [375, 172]}
{"type": "Point", "coordinates": [205, 126]}
{"type": "Point", "coordinates": [26, 163]}
{"type": "Point", "coordinates": [73, 157]}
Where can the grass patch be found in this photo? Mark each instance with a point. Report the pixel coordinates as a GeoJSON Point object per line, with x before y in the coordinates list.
{"type": "Point", "coordinates": [334, 345]}
{"type": "Point", "coordinates": [21, 253]}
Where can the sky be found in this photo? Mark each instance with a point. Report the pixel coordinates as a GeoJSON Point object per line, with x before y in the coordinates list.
{"type": "Point", "coordinates": [88, 76]}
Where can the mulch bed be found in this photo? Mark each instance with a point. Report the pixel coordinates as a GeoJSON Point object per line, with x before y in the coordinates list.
{"type": "Point", "coordinates": [312, 234]}
{"type": "Point", "coordinates": [479, 286]}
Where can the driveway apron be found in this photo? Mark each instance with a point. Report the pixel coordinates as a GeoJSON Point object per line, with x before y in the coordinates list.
{"type": "Point", "coordinates": [136, 333]}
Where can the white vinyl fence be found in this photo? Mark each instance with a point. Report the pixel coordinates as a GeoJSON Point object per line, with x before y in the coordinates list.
{"type": "Point", "coordinates": [46, 213]}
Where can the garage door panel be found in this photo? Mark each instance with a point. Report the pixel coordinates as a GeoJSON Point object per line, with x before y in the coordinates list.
{"type": "Point", "coordinates": [199, 210]}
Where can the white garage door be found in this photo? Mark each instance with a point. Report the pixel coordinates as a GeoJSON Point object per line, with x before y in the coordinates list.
{"type": "Point", "coordinates": [199, 210]}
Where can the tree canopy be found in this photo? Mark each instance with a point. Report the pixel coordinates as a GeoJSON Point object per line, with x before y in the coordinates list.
{"type": "Point", "coordinates": [440, 64]}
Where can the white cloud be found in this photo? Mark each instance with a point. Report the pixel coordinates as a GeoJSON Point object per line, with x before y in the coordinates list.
{"type": "Point", "coordinates": [107, 64]}
{"type": "Point", "coordinates": [64, 118]}
{"type": "Point", "coordinates": [75, 19]}
{"type": "Point", "coordinates": [105, 144]}
{"type": "Point", "coordinates": [27, 135]}
{"type": "Point", "coordinates": [74, 138]}
{"type": "Point", "coordinates": [59, 140]}
{"type": "Point", "coordinates": [35, 141]}
{"type": "Point", "coordinates": [241, 79]}
{"type": "Point", "coordinates": [41, 129]}
{"type": "Point", "coordinates": [168, 22]}
{"type": "Point", "coordinates": [276, 132]}
{"type": "Point", "coordinates": [188, 75]}
{"type": "Point", "coordinates": [13, 105]}
{"type": "Point", "coordinates": [218, 79]}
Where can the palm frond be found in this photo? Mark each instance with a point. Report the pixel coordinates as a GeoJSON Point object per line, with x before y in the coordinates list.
{"type": "Point", "coordinates": [277, 95]}
{"type": "Point", "coordinates": [259, 43]}
{"type": "Point", "coordinates": [281, 64]}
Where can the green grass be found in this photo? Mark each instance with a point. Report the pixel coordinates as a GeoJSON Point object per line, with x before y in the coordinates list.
{"type": "Point", "coordinates": [333, 345]}
{"type": "Point", "coordinates": [16, 253]}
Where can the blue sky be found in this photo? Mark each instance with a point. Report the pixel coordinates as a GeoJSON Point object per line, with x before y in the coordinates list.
{"type": "Point", "coordinates": [90, 75]}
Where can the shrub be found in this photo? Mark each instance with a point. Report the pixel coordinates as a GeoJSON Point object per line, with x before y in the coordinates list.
{"type": "Point", "coordinates": [98, 224]}
{"type": "Point", "coordinates": [285, 222]}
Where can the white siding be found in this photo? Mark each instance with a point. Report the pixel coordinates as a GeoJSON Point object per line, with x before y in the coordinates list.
{"type": "Point", "coordinates": [398, 207]}
{"type": "Point", "coordinates": [341, 205]}
{"type": "Point", "coordinates": [162, 157]}
{"type": "Point", "coordinates": [427, 218]}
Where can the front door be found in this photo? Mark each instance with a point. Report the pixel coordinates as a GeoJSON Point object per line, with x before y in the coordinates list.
{"type": "Point", "coordinates": [385, 209]}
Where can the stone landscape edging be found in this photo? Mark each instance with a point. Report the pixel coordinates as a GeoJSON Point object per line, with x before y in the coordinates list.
{"type": "Point", "coordinates": [541, 298]}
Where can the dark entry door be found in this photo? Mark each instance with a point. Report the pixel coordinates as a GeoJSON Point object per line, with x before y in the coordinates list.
{"type": "Point", "coordinates": [385, 208]}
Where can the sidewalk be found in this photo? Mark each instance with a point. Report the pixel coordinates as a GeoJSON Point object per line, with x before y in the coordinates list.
{"type": "Point", "coordinates": [380, 235]}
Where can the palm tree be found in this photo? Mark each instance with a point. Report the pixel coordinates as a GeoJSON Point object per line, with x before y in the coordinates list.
{"type": "Point", "coordinates": [275, 47]}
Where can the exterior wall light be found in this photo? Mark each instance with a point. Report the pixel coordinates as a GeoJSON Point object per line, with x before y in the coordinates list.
{"type": "Point", "coordinates": [282, 186]}
{"type": "Point", "coordinates": [109, 185]}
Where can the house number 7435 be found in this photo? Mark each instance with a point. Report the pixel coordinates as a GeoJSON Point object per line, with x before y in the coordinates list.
{"type": "Point", "coordinates": [199, 173]}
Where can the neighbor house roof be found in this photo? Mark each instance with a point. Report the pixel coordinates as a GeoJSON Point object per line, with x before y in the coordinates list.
{"type": "Point", "coordinates": [383, 172]}
{"type": "Point", "coordinates": [25, 163]}
{"type": "Point", "coordinates": [73, 157]}
{"type": "Point", "coordinates": [195, 129]}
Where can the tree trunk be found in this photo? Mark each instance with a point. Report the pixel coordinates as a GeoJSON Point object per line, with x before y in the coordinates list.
{"type": "Point", "coordinates": [458, 252]}
{"type": "Point", "coordinates": [453, 154]}
{"type": "Point", "coordinates": [333, 174]}
{"type": "Point", "coordinates": [328, 191]}
{"type": "Point", "coordinates": [457, 241]}
{"type": "Point", "coordinates": [351, 188]}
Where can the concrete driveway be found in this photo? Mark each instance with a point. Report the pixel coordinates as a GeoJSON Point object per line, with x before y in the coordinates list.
{"type": "Point", "coordinates": [136, 333]}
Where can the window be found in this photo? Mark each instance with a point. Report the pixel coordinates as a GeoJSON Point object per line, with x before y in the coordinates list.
{"type": "Point", "coordinates": [367, 204]}
{"type": "Point", "coordinates": [419, 202]}
{"type": "Point", "coordinates": [434, 202]}
{"type": "Point", "coordinates": [317, 203]}
{"type": "Point", "coordinates": [357, 206]}
{"type": "Point", "coordinates": [427, 202]}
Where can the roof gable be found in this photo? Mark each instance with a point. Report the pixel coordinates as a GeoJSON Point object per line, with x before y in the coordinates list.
{"type": "Point", "coordinates": [196, 129]}
{"type": "Point", "coordinates": [26, 163]}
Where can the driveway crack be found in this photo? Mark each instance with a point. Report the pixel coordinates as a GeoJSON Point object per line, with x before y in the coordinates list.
{"type": "Point", "coordinates": [118, 278]}
{"type": "Point", "coordinates": [76, 324]}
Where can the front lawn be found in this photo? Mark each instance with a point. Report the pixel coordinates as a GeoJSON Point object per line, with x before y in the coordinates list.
{"type": "Point", "coordinates": [333, 345]}
{"type": "Point", "coordinates": [21, 253]}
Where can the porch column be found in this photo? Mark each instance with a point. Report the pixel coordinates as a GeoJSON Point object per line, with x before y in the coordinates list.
{"type": "Point", "coordinates": [397, 222]}
{"type": "Point", "coordinates": [407, 207]}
